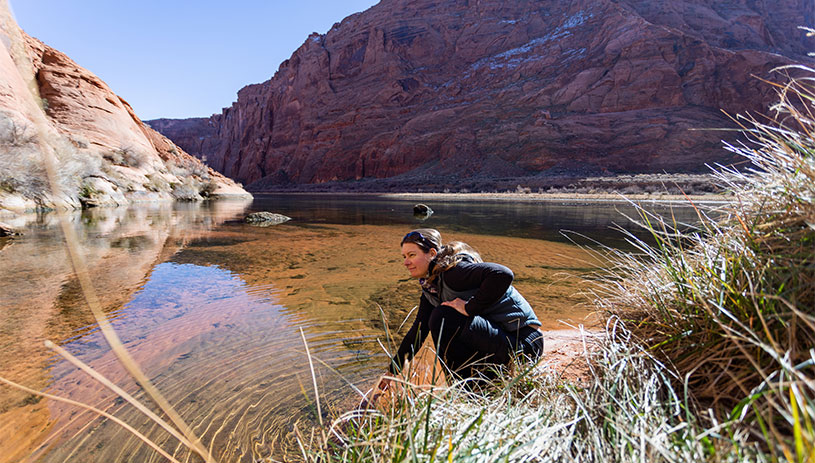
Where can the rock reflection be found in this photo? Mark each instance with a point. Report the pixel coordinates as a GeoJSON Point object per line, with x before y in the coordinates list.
{"type": "Point", "coordinates": [40, 297]}
{"type": "Point", "coordinates": [216, 348]}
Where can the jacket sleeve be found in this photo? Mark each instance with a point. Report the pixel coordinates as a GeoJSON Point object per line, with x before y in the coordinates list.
{"type": "Point", "coordinates": [492, 281]}
{"type": "Point", "coordinates": [415, 336]}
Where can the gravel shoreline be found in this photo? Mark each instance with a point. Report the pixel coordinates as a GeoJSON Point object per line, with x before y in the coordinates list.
{"type": "Point", "coordinates": [531, 197]}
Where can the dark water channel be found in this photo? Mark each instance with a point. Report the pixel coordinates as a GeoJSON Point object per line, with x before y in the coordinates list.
{"type": "Point", "coordinates": [213, 308]}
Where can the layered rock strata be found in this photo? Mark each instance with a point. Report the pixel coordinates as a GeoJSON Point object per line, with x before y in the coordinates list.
{"type": "Point", "coordinates": [454, 90]}
{"type": "Point", "coordinates": [52, 110]}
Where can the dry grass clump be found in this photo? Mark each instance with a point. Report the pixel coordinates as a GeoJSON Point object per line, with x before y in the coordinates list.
{"type": "Point", "coordinates": [21, 165]}
{"type": "Point", "coordinates": [628, 412]}
{"type": "Point", "coordinates": [731, 302]}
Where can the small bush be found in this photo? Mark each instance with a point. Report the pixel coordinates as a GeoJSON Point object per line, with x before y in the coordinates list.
{"type": "Point", "coordinates": [15, 134]}
{"type": "Point", "coordinates": [207, 188]}
{"type": "Point", "coordinates": [126, 156]}
{"type": "Point", "coordinates": [186, 191]}
{"type": "Point", "coordinates": [87, 192]}
{"type": "Point", "coordinates": [523, 190]}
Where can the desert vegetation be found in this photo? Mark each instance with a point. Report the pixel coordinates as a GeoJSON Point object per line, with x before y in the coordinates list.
{"type": "Point", "coordinates": [89, 175]}
{"type": "Point", "coordinates": [21, 168]}
{"type": "Point", "coordinates": [564, 183]}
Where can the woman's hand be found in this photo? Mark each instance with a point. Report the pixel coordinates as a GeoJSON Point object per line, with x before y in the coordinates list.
{"type": "Point", "coordinates": [384, 383]}
{"type": "Point", "coordinates": [458, 304]}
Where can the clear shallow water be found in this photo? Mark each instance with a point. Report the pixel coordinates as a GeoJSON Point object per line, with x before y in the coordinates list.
{"type": "Point", "coordinates": [212, 310]}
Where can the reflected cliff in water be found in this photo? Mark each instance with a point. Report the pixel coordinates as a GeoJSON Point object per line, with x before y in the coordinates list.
{"type": "Point", "coordinates": [212, 309]}
{"type": "Point", "coordinates": [40, 297]}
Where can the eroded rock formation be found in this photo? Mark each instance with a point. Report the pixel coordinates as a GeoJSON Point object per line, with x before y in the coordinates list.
{"type": "Point", "coordinates": [102, 153]}
{"type": "Point", "coordinates": [441, 91]}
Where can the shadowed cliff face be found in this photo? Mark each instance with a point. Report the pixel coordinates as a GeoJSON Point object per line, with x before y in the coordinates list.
{"type": "Point", "coordinates": [427, 89]}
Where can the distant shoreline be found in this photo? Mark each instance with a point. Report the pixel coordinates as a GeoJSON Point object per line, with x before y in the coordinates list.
{"type": "Point", "coordinates": [526, 197]}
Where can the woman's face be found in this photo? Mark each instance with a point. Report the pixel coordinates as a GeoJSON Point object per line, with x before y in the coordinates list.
{"type": "Point", "coordinates": [416, 260]}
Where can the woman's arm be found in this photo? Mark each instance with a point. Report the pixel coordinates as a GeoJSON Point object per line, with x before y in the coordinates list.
{"type": "Point", "coordinates": [492, 281]}
{"type": "Point", "coordinates": [415, 336]}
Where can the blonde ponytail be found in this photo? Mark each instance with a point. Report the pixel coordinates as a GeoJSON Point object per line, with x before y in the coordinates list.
{"type": "Point", "coordinates": [450, 255]}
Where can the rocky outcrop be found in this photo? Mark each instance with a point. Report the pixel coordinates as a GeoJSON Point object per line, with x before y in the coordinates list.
{"type": "Point", "coordinates": [56, 115]}
{"type": "Point", "coordinates": [6, 231]}
{"type": "Point", "coordinates": [454, 90]}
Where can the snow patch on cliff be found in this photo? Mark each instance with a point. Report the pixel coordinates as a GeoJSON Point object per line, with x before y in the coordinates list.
{"type": "Point", "coordinates": [514, 57]}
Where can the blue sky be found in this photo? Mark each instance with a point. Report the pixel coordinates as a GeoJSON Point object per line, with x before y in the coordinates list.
{"type": "Point", "coordinates": [179, 58]}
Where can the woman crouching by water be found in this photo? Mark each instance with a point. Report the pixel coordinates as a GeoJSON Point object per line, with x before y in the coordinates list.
{"type": "Point", "coordinates": [469, 306]}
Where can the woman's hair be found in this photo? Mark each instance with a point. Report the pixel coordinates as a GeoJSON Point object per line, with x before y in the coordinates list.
{"type": "Point", "coordinates": [425, 238]}
{"type": "Point", "coordinates": [448, 255]}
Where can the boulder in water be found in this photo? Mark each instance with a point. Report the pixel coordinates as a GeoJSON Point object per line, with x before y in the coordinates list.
{"type": "Point", "coordinates": [422, 211]}
{"type": "Point", "coordinates": [264, 219]}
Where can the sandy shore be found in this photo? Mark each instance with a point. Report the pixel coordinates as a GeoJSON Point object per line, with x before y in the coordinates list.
{"type": "Point", "coordinates": [561, 197]}
{"type": "Point", "coordinates": [565, 352]}
{"type": "Point", "coordinates": [531, 197]}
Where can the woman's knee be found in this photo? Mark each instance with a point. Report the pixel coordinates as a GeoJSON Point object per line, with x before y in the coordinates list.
{"type": "Point", "coordinates": [445, 321]}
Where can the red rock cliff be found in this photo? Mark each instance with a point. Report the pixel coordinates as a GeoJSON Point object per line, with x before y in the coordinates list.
{"type": "Point", "coordinates": [430, 89]}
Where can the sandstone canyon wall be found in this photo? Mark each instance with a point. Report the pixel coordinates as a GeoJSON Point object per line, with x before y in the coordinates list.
{"type": "Point", "coordinates": [102, 153]}
{"type": "Point", "coordinates": [442, 92]}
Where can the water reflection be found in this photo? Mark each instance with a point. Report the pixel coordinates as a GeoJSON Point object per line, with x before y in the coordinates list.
{"type": "Point", "coordinates": [40, 297]}
{"type": "Point", "coordinates": [217, 348]}
{"type": "Point", "coordinates": [212, 309]}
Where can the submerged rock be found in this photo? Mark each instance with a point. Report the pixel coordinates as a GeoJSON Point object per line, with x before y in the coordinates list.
{"type": "Point", "coordinates": [264, 219]}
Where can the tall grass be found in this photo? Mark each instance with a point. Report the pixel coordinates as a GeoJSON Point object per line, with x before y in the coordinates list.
{"type": "Point", "coordinates": [710, 351]}
{"type": "Point", "coordinates": [731, 304]}
{"type": "Point", "coordinates": [626, 410]}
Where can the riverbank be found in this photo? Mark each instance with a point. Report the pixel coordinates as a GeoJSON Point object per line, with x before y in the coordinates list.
{"type": "Point", "coordinates": [634, 187]}
{"type": "Point", "coordinates": [560, 197]}
{"type": "Point", "coordinates": [569, 198]}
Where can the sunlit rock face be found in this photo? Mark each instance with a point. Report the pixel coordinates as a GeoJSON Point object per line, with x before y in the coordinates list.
{"type": "Point", "coordinates": [464, 89]}
{"type": "Point", "coordinates": [102, 153]}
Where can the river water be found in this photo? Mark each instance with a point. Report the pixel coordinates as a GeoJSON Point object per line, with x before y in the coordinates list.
{"type": "Point", "coordinates": [212, 309]}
